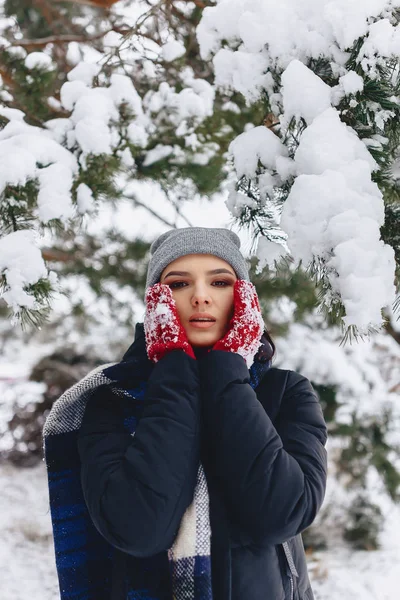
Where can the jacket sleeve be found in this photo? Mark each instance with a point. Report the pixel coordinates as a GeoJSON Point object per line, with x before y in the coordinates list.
{"type": "Point", "coordinates": [273, 480]}
{"type": "Point", "coordinates": [137, 488]}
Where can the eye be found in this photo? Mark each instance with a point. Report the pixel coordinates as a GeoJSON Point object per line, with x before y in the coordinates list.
{"type": "Point", "coordinates": [225, 283]}
{"type": "Point", "coordinates": [180, 284]}
{"type": "Point", "coordinates": [175, 284]}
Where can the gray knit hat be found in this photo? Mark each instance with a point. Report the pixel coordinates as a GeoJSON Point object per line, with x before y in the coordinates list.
{"type": "Point", "coordinates": [195, 240]}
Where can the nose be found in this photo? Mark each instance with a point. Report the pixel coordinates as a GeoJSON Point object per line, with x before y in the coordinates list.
{"type": "Point", "coordinates": [201, 296]}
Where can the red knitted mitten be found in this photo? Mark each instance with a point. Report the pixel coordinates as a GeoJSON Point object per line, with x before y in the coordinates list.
{"type": "Point", "coordinates": [246, 325]}
{"type": "Point", "coordinates": [163, 329]}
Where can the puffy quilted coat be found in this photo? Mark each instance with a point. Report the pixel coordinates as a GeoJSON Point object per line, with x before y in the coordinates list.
{"type": "Point", "coordinates": [264, 456]}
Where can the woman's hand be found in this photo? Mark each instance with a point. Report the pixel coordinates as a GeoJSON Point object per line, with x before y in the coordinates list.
{"type": "Point", "coordinates": [163, 329]}
{"type": "Point", "coordinates": [246, 325]}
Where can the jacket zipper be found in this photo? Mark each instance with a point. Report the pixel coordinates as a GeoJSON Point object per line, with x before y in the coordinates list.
{"type": "Point", "coordinates": [292, 567]}
{"type": "Point", "coordinates": [291, 588]}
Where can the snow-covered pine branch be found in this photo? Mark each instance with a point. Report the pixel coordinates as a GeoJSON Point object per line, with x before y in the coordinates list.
{"type": "Point", "coordinates": [314, 179]}
{"type": "Point", "coordinates": [50, 175]}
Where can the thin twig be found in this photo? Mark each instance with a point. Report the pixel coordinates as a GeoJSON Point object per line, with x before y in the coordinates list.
{"type": "Point", "coordinates": [51, 254]}
{"type": "Point", "coordinates": [392, 332]}
{"type": "Point", "coordinates": [176, 206]}
{"type": "Point", "coordinates": [46, 12]}
{"type": "Point", "coordinates": [60, 39]}
{"type": "Point", "coordinates": [130, 34]}
{"type": "Point", "coordinates": [6, 77]}
{"type": "Point", "coordinates": [105, 4]}
{"type": "Point", "coordinates": [198, 3]}
{"type": "Point", "coordinates": [151, 211]}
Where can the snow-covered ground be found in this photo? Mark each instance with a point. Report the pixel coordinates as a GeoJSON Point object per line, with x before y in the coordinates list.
{"type": "Point", "coordinates": [28, 567]}
{"type": "Point", "coordinates": [26, 542]}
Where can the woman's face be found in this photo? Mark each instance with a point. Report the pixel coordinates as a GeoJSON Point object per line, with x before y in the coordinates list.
{"type": "Point", "coordinates": [198, 288]}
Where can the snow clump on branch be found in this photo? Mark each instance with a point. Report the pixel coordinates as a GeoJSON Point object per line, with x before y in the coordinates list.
{"type": "Point", "coordinates": [333, 211]}
{"type": "Point", "coordinates": [55, 157]}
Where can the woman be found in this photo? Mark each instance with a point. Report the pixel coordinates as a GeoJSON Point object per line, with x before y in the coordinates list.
{"type": "Point", "coordinates": [191, 467]}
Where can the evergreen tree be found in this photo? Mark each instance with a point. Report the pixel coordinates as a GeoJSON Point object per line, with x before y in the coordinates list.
{"type": "Point", "coordinates": [169, 127]}
{"type": "Point", "coordinates": [175, 125]}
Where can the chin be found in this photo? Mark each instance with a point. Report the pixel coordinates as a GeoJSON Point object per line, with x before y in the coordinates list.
{"type": "Point", "coordinates": [204, 345]}
{"type": "Point", "coordinates": [203, 340]}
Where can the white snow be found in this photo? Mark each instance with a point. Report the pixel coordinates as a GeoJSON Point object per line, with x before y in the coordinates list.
{"type": "Point", "coordinates": [13, 114]}
{"type": "Point", "coordinates": [95, 110]}
{"type": "Point", "coordinates": [84, 199]}
{"type": "Point", "coordinates": [84, 71]}
{"type": "Point", "coordinates": [334, 211]}
{"type": "Point", "coordinates": [138, 135]}
{"type": "Point", "coordinates": [91, 116]}
{"type": "Point", "coordinates": [302, 30]}
{"type": "Point", "coordinates": [23, 149]}
{"type": "Point", "coordinates": [70, 92]}
{"type": "Point", "coordinates": [236, 201]}
{"type": "Point", "coordinates": [194, 102]}
{"type": "Point", "coordinates": [257, 144]}
{"type": "Point", "coordinates": [267, 253]}
{"type": "Point", "coordinates": [26, 542]}
{"type": "Point", "coordinates": [38, 60]}
{"type": "Point", "coordinates": [204, 154]}
{"type": "Point", "coordinates": [231, 106]}
{"type": "Point", "coordinates": [127, 159]}
{"type": "Point", "coordinates": [22, 264]}
{"type": "Point", "coordinates": [122, 90]}
{"type": "Point", "coordinates": [17, 165]}
{"type": "Point", "coordinates": [330, 144]}
{"type": "Point", "coordinates": [383, 40]}
{"type": "Point", "coordinates": [351, 83]}
{"type": "Point", "coordinates": [14, 51]}
{"type": "Point", "coordinates": [172, 50]}
{"type": "Point", "coordinates": [49, 156]}
{"type": "Point", "coordinates": [159, 152]}
{"type": "Point", "coordinates": [54, 197]}
{"type": "Point", "coordinates": [242, 72]}
{"type": "Point", "coordinates": [304, 94]}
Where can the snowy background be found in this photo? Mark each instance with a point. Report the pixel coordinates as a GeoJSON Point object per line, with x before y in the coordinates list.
{"type": "Point", "coordinates": [332, 212]}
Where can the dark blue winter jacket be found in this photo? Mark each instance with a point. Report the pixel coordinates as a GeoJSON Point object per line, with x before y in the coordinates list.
{"type": "Point", "coordinates": [263, 455]}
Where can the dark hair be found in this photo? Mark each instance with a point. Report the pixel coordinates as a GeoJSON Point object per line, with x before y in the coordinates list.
{"type": "Point", "coordinates": [266, 351]}
{"type": "Point", "coordinates": [269, 338]}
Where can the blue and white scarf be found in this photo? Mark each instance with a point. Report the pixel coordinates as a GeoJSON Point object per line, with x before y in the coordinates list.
{"type": "Point", "coordinates": [83, 557]}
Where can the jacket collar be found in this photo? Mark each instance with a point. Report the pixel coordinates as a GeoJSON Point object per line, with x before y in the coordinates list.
{"type": "Point", "coordinates": [135, 360]}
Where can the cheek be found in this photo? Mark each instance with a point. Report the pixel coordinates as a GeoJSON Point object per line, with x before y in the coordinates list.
{"type": "Point", "coordinates": [231, 300]}
{"type": "Point", "coordinates": [178, 301]}
{"type": "Point", "coordinates": [182, 303]}
{"type": "Point", "coordinates": [229, 307]}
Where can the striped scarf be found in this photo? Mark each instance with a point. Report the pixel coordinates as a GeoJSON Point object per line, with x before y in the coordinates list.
{"type": "Point", "coordinates": [84, 558]}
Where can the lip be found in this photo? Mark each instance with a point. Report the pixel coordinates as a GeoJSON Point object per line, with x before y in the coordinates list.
{"type": "Point", "coordinates": [201, 315]}
{"type": "Point", "coordinates": [204, 324]}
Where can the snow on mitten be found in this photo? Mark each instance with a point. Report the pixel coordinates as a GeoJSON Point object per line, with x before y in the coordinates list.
{"type": "Point", "coordinates": [163, 329]}
{"type": "Point", "coordinates": [246, 325]}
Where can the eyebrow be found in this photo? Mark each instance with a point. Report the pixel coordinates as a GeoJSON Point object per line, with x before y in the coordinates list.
{"type": "Point", "coordinates": [186, 273]}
